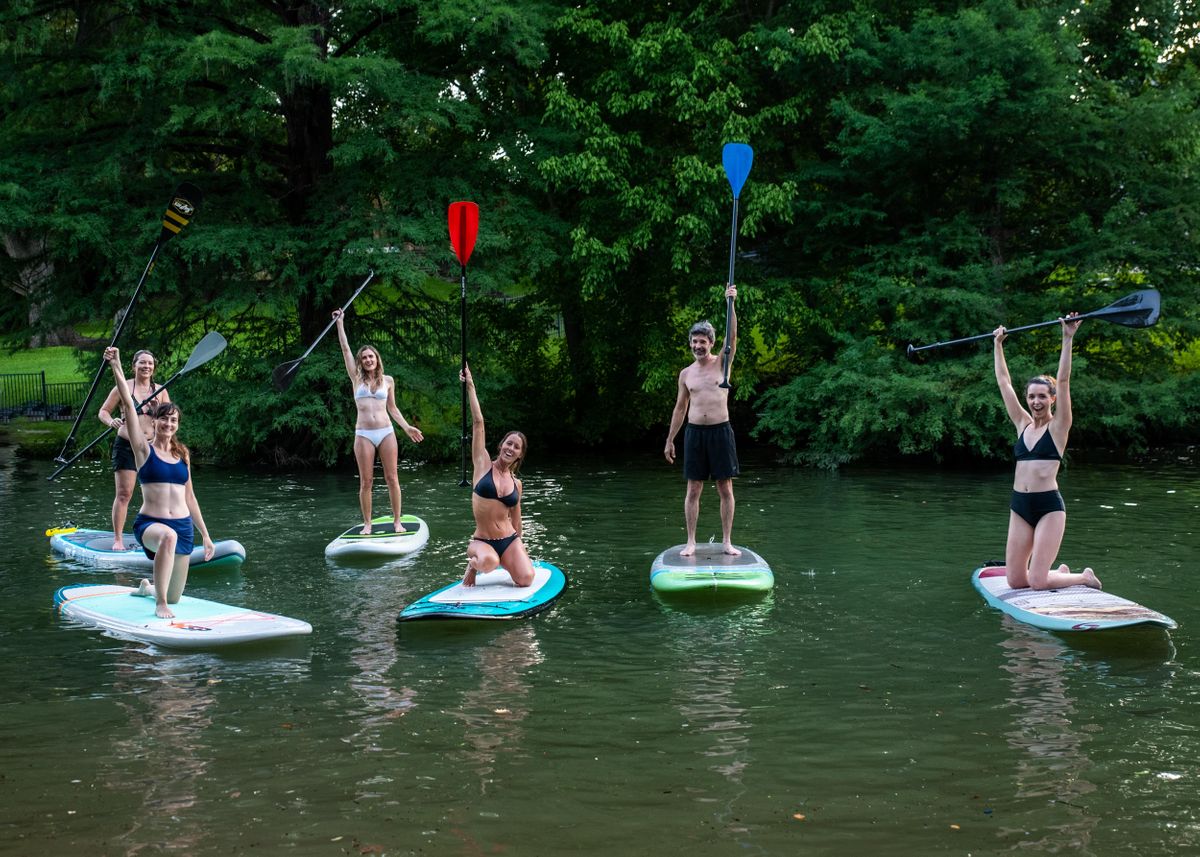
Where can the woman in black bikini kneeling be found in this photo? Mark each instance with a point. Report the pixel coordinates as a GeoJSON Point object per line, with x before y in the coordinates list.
{"type": "Point", "coordinates": [495, 501]}
{"type": "Point", "coordinates": [1038, 516]}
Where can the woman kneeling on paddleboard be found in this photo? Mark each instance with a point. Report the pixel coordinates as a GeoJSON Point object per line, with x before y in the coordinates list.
{"type": "Point", "coordinates": [495, 501]}
{"type": "Point", "coordinates": [375, 399]}
{"type": "Point", "coordinates": [169, 515]}
{"type": "Point", "coordinates": [1038, 516]}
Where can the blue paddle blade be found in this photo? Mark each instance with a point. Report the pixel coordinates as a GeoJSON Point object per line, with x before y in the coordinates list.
{"type": "Point", "coordinates": [738, 158]}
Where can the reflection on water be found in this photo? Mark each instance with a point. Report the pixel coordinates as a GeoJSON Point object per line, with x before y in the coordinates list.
{"type": "Point", "coordinates": [713, 637]}
{"type": "Point", "coordinates": [1053, 763]}
{"type": "Point", "coordinates": [492, 713]}
{"type": "Point", "coordinates": [369, 597]}
{"type": "Point", "coordinates": [164, 752]}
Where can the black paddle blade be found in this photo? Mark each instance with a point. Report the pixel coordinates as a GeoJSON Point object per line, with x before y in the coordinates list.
{"type": "Point", "coordinates": [180, 211]}
{"type": "Point", "coordinates": [284, 374]}
{"type": "Point", "coordinates": [1140, 309]}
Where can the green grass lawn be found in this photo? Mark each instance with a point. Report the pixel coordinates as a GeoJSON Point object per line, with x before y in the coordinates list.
{"type": "Point", "coordinates": [58, 363]}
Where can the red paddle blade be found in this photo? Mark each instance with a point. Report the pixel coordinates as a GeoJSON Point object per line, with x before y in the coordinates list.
{"type": "Point", "coordinates": [464, 226]}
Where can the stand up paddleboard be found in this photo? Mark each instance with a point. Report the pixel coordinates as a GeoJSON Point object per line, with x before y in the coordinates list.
{"type": "Point", "coordinates": [198, 624]}
{"type": "Point", "coordinates": [94, 547]}
{"type": "Point", "coordinates": [494, 596]}
{"type": "Point", "coordinates": [1074, 608]}
{"type": "Point", "coordinates": [383, 540]}
{"type": "Point", "coordinates": [710, 568]}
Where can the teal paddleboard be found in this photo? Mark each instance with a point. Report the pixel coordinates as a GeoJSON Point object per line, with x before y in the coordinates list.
{"type": "Point", "coordinates": [494, 596]}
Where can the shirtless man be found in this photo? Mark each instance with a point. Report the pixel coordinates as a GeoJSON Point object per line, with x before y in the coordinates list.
{"type": "Point", "coordinates": [709, 451]}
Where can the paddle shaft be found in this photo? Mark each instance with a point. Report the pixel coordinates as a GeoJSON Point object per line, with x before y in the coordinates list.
{"type": "Point", "coordinates": [463, 438]}
{"type": "Point", "coordinates": [296, 363]}
{"type": "Point", "coordinates": [982, 336]}
{"type": "Point", "coordinates": [110, 429]}
{"type": "Point", "coordinates": [100, 371]}
{"type": "Point", "coordinates": [725, 352]}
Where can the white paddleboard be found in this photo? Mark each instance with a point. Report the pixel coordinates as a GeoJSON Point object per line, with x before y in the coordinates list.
{"type": "Point", "coordinates": [383, 539]}
{"type": "Point", "coordinates": [198, 624]}
{"type": "Point", "coordinates": [94, 547]}
{"type": "Point", "coordinates": [1073, 608]}
{"type": "Point", "coordinates": [710, 568]}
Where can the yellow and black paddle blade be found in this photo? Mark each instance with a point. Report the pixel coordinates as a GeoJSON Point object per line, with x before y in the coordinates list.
{"type": "Point", "coordinates": [180, 210]}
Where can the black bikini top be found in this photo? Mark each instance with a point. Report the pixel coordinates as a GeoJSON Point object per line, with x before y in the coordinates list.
{"type": "Point", "coordinates": [486, 488]}
{"type": "Point", "coordinates": [1043, 450]}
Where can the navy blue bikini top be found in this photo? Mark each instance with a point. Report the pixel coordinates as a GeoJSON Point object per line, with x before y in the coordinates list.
{"type": "Point", "coordinates": [1043, 450]}
{"type": "Point", "coordinates": [154, 470]}
{"type": "Point", "coordinates": [486, 488]}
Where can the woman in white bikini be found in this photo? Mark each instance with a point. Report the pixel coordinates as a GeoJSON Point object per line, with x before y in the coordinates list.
{"type": "Point", "coordinates": [375, 398]}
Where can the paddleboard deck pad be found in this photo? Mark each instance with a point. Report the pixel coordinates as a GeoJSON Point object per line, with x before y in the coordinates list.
{"type": "Point", "coordinates": [1073, 608]}
{"type": "Point", "coordinates": [494, 596]}
{"type": "Point", "coordinates": [198, 624]}
{"type": "Point", "coordinates": [710, 568]}
{"type": "Point", "coordinates": [383, 539]}
{"type": "Point", "coordinates": [94, 547]}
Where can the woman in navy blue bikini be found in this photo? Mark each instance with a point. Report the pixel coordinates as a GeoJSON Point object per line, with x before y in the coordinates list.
{"type": "Point", "coordinates": [1038, 516]}
{"type": "Point", "coordinates": [170, 515]}
{"type": "Point", "coordinates": [375, 398]}
{"type": "Point", "coordinates": [495, 501]}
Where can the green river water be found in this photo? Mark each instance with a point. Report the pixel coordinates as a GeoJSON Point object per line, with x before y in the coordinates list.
{"type": "Point", "coordinates": [871, 704]}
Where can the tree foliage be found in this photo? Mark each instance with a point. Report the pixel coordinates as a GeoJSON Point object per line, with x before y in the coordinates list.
{"type": "Point", "coordinates": [923, 171]}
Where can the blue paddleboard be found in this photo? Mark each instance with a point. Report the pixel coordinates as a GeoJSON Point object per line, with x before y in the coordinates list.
{"type": "Point", "coordinates": [94, 547]}
{"type": "Point", "coordinates": [198, 624]}
{"type": "Point", "coordinates": [494, 596]}
{"type": "Point", "coordinates": [1073, 608]}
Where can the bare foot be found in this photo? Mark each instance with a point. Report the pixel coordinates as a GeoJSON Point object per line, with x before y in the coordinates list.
{"type": "Point", "coordinates": [1090, 579]}
{"type": "Point", "coordinates": [731, 550]}
{"type": "Point", "coordinates": [145, 589]}
{"type": "Point", "coordinates": [689, 549]}
{"type": "Point", "coordinates": [162, 611]}
{"type": "Point", "coordinates": [366, 530]}
{"type": "Point", "coordinates": [119, 545]}
{"type": "Point", "coordinates": [397, 526]}
{"type": "Point", "coordinates": [469, 577]}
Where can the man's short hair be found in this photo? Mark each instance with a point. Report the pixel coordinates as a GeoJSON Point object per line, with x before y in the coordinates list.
{"type": "Point", "coordinates": [703, 328]}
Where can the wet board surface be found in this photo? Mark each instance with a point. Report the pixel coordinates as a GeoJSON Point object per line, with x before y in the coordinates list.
{"type": "Point", "coordinates": [710, 568]}
{"type": "Point", "coordinates": [494, 596]}
{"type": "Point", "coordinates": [94, 547]}
{"type": "Point", "coordinates": [198, 623]}
{"type": "Point", "coordinates": [383, 539]}
{"type": "Point", "coordinates": [1073, 608]}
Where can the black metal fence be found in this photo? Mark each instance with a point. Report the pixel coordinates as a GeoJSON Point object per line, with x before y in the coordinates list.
{"type": "Point", "coordinates": [26, 394]}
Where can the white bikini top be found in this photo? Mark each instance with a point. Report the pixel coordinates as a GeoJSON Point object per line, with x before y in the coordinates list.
{"type": "Point", "coordinates": [362, 391]}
